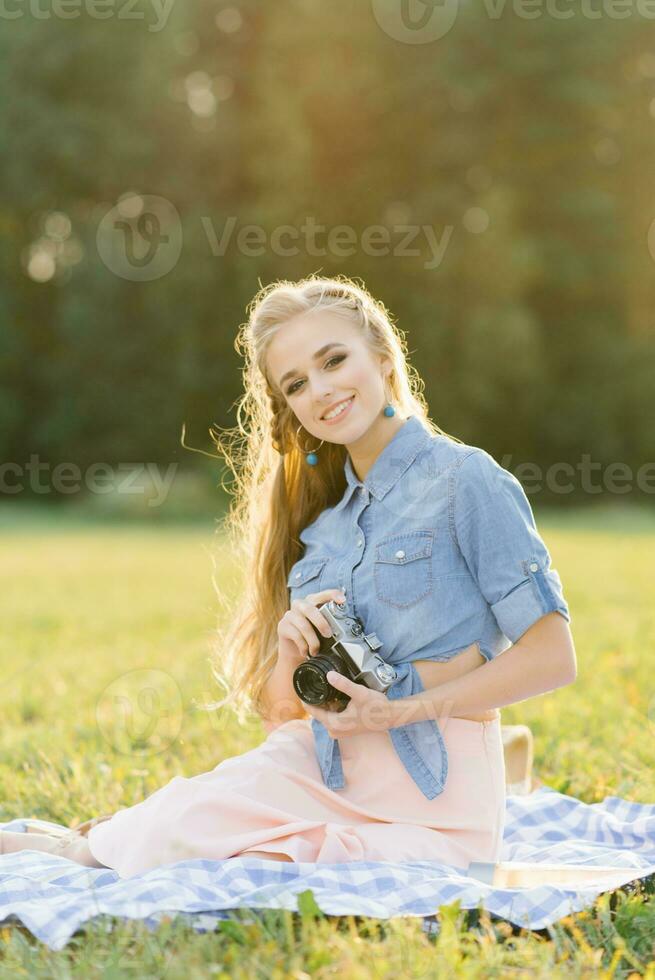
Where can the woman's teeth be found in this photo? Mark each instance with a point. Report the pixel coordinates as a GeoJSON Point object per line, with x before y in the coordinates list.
{"type": "Point", "coordinates": [339, 409]}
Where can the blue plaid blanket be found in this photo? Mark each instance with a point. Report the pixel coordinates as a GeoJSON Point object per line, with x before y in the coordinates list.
{"type": "Point", "coordinates": [53, 897]}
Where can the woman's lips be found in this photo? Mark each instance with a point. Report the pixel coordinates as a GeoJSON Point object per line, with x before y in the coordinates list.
{"type": "Point", "coordinates": [341, 415]}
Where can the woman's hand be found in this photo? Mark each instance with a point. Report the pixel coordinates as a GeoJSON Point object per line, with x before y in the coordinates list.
{"type": "Point", "coordinates": [297, 637]}
{"type": "Point", "coordinates": [367, 710]}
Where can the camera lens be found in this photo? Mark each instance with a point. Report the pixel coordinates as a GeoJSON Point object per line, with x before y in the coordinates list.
{"type": "Point", "coordinates": [310, 683]}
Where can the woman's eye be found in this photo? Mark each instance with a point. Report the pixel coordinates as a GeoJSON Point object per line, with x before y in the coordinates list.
{"type": "Point", "coordinates": [336, 359]}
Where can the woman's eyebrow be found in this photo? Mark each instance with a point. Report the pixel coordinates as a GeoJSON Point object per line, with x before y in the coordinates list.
{"type": "Point", "coordinates": [315, 357]}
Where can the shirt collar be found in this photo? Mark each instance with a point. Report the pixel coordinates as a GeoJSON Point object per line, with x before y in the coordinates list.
{"type": "Point", "coordinates": [391, 463]}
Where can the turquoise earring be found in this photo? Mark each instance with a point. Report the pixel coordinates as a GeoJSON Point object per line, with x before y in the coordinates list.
{"type": "Point", "coordinates": [389, 410]}
{"type": "Point", "coordinates": [311, 457]}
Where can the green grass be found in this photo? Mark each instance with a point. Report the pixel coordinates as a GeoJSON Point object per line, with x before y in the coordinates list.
{"type": "Point", "coordinates": [94, 614]}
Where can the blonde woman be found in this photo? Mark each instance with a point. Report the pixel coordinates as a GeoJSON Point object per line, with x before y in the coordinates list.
{"type": "Point", "coordinates": [347, 492]}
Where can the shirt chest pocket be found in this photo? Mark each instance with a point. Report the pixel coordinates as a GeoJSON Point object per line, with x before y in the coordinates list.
{"type": "Point", "coordinates": [402, 570]}
{"type": "Point", "coordinates": [305, 577]}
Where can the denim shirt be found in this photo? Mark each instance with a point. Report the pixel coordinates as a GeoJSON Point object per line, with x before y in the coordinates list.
{"type": "Point", "coordinates": [436, 549]}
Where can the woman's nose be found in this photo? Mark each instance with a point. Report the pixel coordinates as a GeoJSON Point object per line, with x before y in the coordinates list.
{"type": "Point", "coordinates": [321, 392]}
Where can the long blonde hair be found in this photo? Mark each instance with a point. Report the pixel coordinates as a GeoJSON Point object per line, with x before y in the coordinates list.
{"type": "Point", "coordinates": [276, 493]}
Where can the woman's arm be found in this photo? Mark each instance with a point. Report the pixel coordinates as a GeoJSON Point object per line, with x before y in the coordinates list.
{"type": "Point", "coordinates": [541, 660]}
{"type": "Point", "coordinates": [282, 702]}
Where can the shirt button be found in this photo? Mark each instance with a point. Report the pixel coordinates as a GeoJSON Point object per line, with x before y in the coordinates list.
{"type": "Point", "coordinates": [359, 543]}
{"type": "Point", "coordinates": [362, 491]}
{"type": "Point", "coordinates": [400, 554]}
{"type": "Point", "coordinates": [297, 574]}
{"type": "Point", "coordinates": [534, 567]}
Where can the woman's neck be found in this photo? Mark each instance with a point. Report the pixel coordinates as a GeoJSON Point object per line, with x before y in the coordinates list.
{"type": "Point", "coordinates": [366, 450]}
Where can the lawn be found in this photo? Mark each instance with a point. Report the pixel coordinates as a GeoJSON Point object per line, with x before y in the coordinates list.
{"type": "Point", "coordinates": [107, 628]}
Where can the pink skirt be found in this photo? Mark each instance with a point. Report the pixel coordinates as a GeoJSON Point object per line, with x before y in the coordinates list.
{"type": "Point", "coordinates": [273, 799]}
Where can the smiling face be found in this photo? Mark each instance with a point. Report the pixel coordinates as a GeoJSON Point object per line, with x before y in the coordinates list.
{"type": "Point", "coordinates": [313, 384]}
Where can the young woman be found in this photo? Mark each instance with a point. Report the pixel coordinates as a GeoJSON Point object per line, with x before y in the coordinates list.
{"type": "Point", "coordinates": [348, 492]}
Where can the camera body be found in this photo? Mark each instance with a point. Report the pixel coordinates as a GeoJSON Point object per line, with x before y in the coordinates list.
{"type": "Point", "coordinates": [349, 651]}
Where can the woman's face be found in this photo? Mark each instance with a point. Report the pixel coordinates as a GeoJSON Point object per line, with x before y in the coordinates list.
{"type": "Point", "coordinates": [313, 384]}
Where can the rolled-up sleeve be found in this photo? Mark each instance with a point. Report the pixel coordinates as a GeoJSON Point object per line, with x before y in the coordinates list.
{"type": "Point", "coordinates": [497, 535]}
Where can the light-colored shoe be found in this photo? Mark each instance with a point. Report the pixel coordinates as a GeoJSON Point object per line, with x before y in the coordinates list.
{"type": "Point", "coordinates": [35, 826]}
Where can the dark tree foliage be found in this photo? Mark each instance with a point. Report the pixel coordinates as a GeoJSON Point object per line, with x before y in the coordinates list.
{"type": "Point", "coordinates": [509, 162]}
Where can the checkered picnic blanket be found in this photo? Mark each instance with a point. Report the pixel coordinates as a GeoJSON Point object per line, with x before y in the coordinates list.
{"type": "Point", "coordinates": [53, 897]}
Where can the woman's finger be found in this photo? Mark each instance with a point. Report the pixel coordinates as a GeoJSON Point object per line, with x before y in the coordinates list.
{"type": "Point", "coordinates": [311, 613]}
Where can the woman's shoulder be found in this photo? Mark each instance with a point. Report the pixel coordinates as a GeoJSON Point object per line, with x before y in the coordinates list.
{"type": "Point", "coordinates": [471, 473]}
{"type": "Point", "coordinates": [450, 453]}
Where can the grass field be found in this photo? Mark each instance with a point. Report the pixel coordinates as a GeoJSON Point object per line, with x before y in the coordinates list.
{"type": "Point", "coordinates": [93, 615]}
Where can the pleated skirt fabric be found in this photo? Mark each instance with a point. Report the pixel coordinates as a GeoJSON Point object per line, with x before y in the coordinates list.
{"type": "Point", "coordinates": [273, 799]}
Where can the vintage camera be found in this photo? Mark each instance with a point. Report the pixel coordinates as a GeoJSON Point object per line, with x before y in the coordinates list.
{"type": "Point", "coordinates": [350, 652]}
